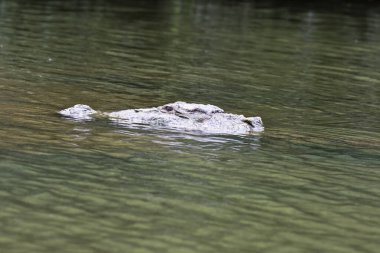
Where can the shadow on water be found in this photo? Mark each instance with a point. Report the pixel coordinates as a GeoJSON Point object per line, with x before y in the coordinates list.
{"type": "Point", "coordinates": [180, 141]}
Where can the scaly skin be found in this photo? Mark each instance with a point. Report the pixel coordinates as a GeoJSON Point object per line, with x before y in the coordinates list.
{"type": "Point", "coordinates": [179, 115]}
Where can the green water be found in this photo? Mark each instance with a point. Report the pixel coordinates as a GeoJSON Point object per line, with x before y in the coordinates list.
{"type": "Point", "coordinates": [309, 183]}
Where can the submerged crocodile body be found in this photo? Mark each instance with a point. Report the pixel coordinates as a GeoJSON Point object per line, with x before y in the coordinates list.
{"type": "Point", "coordinates": [179, 115]}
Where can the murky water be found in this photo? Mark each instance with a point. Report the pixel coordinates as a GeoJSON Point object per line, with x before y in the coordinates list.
{"type": "Point", "coordinates": [309, 183]}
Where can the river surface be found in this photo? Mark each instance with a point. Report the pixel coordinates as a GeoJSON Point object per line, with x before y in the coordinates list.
{"type": "Point", "coordinates": [309, 183]}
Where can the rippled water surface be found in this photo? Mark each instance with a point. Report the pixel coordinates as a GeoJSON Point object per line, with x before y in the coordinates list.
{"type": "Point", "coordinates": [309, 183]}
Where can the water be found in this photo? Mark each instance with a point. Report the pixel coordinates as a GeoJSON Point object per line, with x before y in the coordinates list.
{"type": "Point", "coordinates": [309, 183]}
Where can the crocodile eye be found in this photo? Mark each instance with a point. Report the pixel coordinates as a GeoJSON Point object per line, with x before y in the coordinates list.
{"type": "Point", "coordinates": [168, 108]}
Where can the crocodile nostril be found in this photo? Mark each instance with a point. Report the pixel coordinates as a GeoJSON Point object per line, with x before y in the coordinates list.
{"type": "Point", "coordinates": [248, 122]}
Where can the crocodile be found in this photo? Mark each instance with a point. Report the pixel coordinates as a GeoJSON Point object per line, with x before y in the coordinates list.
{"type": "Point", "coordinates": [182, 116]}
